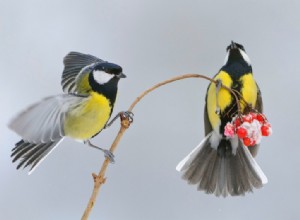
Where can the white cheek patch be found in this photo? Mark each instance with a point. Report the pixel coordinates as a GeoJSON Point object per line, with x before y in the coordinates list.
{"type": "Point", "coordinates": [245, 56]}
{"type": "Point", "coordinates": [226, 58]}
{"type": "Point", "coordinates": [102, 77]}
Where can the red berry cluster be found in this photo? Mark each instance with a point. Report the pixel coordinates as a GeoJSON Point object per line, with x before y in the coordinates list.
{"type": "Point", "coordinates": [250, 128]}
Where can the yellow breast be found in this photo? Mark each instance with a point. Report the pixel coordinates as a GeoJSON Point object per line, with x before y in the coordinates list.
{"type": "Point", "coordinates": [86, 120]}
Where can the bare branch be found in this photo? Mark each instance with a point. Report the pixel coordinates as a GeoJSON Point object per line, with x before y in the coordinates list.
{"type": "Point", "coordinates": [99, 179]}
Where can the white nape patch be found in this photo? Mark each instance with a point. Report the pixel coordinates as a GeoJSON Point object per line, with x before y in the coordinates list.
{"type": "Point", "coordinates": [226, 58]}
{"type": "Point", "coordinates": [245, 56]}
{"type": "Point", "coordinates": [102, 77]}
{"type": "Point", "coordinates": [215, 139]}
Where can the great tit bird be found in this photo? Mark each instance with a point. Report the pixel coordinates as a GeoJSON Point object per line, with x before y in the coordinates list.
{"type": "Point", "coordinates": [90, 87]}
{"type": "Point", "coordinates": [220, 165]}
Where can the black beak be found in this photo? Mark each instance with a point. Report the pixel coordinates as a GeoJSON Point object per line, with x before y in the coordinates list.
{"type": "Point", "coordinates": [233, 45]}
{"type": "Point", "coordinates": [121, 75]}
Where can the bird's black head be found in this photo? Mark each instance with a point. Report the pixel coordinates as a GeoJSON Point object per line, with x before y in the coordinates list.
{"type": "Point", "coordinates": [105, 72]}
{"type": "Point", "coordinates": [234, 45]}
{"type": "Point", "coordinates": [236, 53]}
{"type": "Point", "coordinates": [104, 79]}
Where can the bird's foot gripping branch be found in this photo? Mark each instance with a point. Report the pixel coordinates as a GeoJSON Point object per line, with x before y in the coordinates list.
{"type": "Point", "coordinates": [99, 179]}
{"type": "Point", "coordinates": [123, 115]}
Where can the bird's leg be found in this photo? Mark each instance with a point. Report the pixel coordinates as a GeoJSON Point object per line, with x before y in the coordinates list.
{"type": "Point", "coordinates": [218, 87]}
{"type": "Point", "coordinates": [126, 114]}
{"type": "Point", "coordinates": [107, 153]}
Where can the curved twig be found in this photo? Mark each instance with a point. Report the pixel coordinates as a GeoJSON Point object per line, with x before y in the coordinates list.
{"type": "Point", "coordinates": [99, 179]}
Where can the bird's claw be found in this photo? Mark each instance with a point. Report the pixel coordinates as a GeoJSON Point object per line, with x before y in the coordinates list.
{"type": "Point", "coordinates": [123, 115]}
{"type": "Point", "coordinates": [109, 155]}
{"type": "Point", "coordinates": [218, 84]}
{"type": "Point", "coordinates": [218, 111]}
{"type": "Point", "coordinates": [127, 115]}
{"type": "Point", "coordinates": [218, 87]}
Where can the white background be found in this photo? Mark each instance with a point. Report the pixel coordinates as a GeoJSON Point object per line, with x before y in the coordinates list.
{"type": "Point", "coordinates": [152, 41]}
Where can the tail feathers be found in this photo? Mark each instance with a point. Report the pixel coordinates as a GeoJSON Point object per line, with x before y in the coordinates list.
{"type": "Point", "coordinates": [30, 154]}
{"type": "Point", "coordinates": [222, 175]}
{"type": "Point", "coordinates": [186, 162]}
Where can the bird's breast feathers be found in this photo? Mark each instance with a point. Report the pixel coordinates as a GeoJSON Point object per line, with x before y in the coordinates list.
{"type": "Point", "coordinates": [225, 98]}
{"type": "Point", "coordinates": [87, 119]}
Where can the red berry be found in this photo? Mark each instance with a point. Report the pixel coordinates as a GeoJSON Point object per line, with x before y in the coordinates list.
{"type": "Point", "coordinates": [241, 132]}
{"type": "Point", "coordinates": [267, 124]}
{"type": "Point", "coordinates": [247, 118]}
{"type": "Point", "coordinates": [253, 115]}
{"type": "Point", "coordinates": [253, 142]}
{"type": "Point", "coordinates": [260, 118]}
{"type": "Point", "coordinates": [237, 122]}
{"type": "Point", "coordinates": [247, 141]}
{"type": "Point", "coordinates": [265, 130]}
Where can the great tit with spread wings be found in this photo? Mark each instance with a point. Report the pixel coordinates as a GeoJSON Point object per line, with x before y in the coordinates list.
{"type": "Point", "coordinates": [90, 88]}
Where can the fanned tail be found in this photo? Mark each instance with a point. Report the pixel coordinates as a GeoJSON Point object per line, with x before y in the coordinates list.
{"type": "Point", "coordinates": [222, 174]}
{"type": "Point", "coordinates": [30, 154]}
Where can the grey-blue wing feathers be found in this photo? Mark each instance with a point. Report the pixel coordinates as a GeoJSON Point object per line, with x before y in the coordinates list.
{"type": "Point", "coordinates": [30, 154]}
{"type": "Point", "coordinates": [43, 122]}
{"type": "Point", "coordinates": [41, 127]}
{"type": "Point", "coordinates": [74, 63]}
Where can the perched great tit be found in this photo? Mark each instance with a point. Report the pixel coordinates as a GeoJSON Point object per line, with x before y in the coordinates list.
{"type": "Point", "coordinates": [220, 165]}
{"type": "Point", "coordinates": [90, 87]}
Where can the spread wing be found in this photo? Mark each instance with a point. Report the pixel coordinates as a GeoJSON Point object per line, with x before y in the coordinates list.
{"type": "Point", "coordinates": [75, 74]}
{"type": "Point", "coordinates": [43, 122]}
